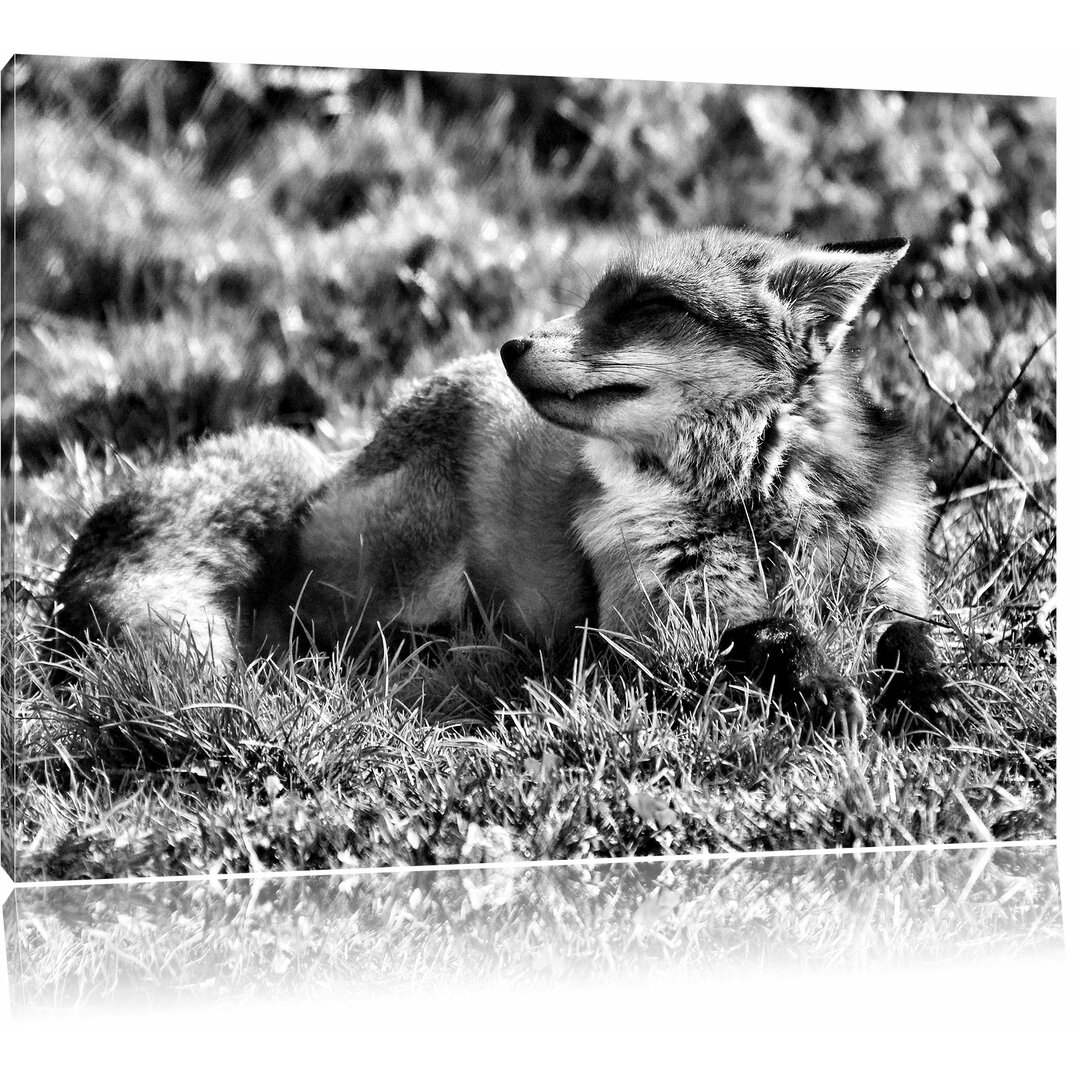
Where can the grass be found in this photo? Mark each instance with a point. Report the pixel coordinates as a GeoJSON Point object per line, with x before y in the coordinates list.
{"type": "Point", "coordinates": [194, 256]}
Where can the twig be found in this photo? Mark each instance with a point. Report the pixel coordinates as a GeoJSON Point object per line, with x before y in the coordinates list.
{"type": "Point", "coordinates": [972, 427]}
{"type": "Point", "coordinates": [942, 502]}
{"type": "Point", "coordinates": [1035, 350]}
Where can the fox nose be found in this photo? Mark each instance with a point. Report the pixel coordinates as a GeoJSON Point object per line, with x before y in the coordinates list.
{"type": "Point", "coordinates": [514, 350]}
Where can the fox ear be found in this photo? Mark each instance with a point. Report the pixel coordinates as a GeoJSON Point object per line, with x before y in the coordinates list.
{"type": "Point", "coordinates": [826, 286]}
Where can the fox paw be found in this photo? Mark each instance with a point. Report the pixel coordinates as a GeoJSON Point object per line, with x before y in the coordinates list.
{"type": "Point", "coordinates": [923, 701]}
{"type": "Point", "coordinates": [913, 692]}
{"type": "Point", "coordinates": [836, 706]}
{"type": "Point", "coordinates": [933, 708]}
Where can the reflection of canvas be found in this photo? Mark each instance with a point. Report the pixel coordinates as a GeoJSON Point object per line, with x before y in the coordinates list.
{"type": "Point", "coordinates": [332, 937]}
{"type": "Point", "coordinates": [205, 247]}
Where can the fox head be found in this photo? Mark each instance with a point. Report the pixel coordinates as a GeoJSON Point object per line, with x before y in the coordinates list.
{"type": "Point", "coordinates": [695, 323]}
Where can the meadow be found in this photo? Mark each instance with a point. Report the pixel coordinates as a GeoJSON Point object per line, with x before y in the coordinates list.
{"type": "Point", "coordinates": [197, 247]}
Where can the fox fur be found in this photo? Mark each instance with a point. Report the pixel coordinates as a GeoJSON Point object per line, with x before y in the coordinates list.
{"type": "Point", "coordinates": [679, 440]}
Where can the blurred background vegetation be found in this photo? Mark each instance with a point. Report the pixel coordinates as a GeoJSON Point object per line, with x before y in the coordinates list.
{"type": "Point", "coordinates": [201, 245]}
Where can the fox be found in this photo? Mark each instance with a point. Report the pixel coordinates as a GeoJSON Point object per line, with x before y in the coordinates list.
{"type": "Point", "coordinates": [687, 438]}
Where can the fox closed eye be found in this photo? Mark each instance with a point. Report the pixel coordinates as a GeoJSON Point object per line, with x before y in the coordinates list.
{"type": "Point", "coordinates": [650, 304]}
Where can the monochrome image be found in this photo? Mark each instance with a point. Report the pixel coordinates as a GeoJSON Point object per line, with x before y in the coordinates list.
{"type": "Point", "coordinates": [409, 468]}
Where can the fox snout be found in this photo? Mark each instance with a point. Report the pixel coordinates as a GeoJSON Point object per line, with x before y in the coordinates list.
{"type": "Point", "coordinates": [556, 336]}
{"type": "Point", "coordinates": [570, 381]}
{"type": "Point", "coordinates": [544, 362]}
{"type": "Point", "coordinates": [532, 362]}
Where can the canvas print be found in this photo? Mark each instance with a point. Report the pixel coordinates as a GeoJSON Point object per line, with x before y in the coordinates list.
{"type": "Point", "coordinates": [421, 468]}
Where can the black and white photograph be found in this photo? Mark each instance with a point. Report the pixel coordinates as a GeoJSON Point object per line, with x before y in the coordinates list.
{"type": "Point", "coordinates": [463, 528]}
